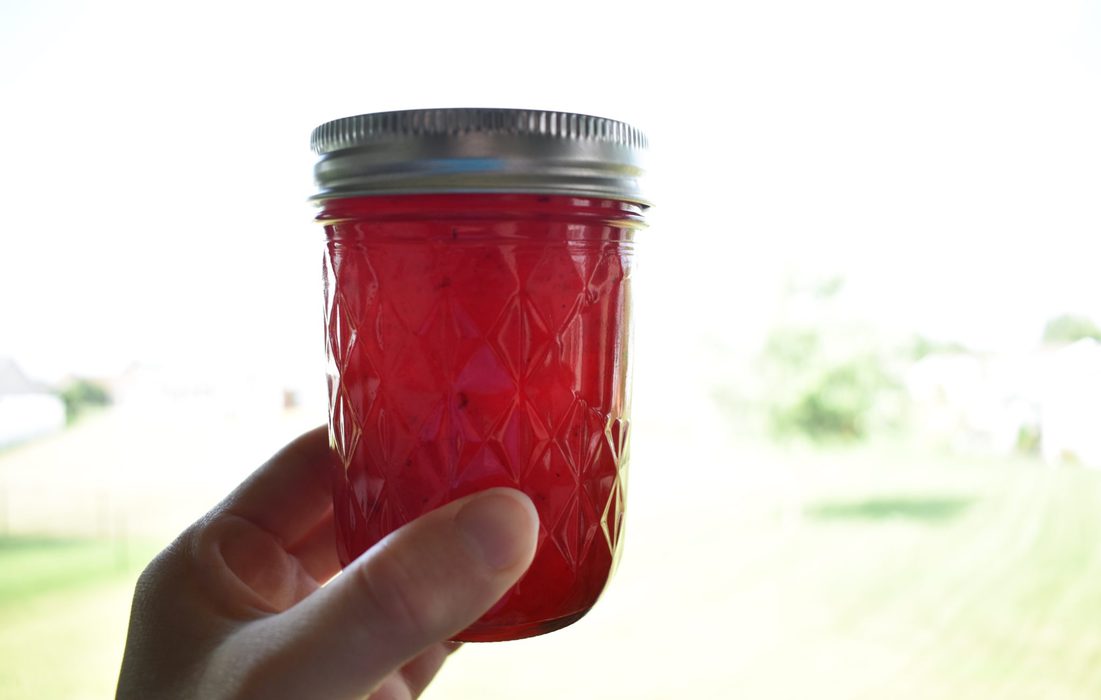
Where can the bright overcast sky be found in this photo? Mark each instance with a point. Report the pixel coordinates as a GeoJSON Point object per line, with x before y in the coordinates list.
{"type": "Point", "coordinates": [945, 156]}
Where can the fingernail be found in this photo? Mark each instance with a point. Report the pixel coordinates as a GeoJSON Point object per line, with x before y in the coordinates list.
{"type": "Point", "coordinates": [499, 526]}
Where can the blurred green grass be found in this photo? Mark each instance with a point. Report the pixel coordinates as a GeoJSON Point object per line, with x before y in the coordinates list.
{"type": "Point", "coordinates": [749, 571]}
{"type": "Point", "coordinates": [63, 613]}
{"type": "Point", "coordinates": [865, 573]}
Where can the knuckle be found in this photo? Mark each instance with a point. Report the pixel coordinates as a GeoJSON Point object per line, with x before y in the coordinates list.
{"type": "Point", "coordinates": [394, 593]}
{"type": "Point", "coordinates": [171, 563]}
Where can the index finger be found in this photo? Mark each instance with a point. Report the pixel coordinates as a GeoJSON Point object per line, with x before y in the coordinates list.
{"type": "Point", "coordinates": [291, 492]}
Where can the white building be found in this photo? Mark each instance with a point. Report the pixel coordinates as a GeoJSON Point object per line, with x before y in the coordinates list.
{"type": "Point", "coordinates": [27, 409]}
{"type": "Point", "coordinates": [1071, 401]}
{"type": "Point", "coordinates": [984, 403]}
{"type": "Point", "coordinates": [972, 403]}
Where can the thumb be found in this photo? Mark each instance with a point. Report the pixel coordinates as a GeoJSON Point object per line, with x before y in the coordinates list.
{"type": "Point", "coordinates": [420, 585]}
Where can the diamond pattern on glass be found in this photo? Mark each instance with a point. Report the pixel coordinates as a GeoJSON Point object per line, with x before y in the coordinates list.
{"type": "Point", "coordinates": [501, 365]}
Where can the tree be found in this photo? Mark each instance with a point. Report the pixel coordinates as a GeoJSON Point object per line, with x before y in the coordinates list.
{"type": "Point", "coordinates": [80, 395]}
{"type": "Point", "coordinates": [826, 384]}
{"type": "Point", "coordinates": [1070, 328]}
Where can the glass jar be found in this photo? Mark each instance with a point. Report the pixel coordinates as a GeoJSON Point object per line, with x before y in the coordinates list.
{"type": "Point", "coordinates": [478, 304]}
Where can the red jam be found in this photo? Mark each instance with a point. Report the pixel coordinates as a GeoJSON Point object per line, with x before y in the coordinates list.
{"type": "Point", "coordinates": [480, 340]}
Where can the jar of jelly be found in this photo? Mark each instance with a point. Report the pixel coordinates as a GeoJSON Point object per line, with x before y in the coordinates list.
{"type": "Point", "coordinates": [478, 321]}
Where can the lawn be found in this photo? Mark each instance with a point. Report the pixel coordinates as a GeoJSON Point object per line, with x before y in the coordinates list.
{"type": "Point", "coordinates": [63, 610]}
{"type": "Point", "coordinates": [865, 574]}
{"type": "Point", "coordinates": [749, 571]}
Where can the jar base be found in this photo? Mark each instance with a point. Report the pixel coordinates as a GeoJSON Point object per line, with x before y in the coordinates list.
{"type": "Point", "coordinates": [505, 633]}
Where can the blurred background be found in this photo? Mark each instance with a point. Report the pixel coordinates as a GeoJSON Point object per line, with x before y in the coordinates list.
{"type": "Point", "coordinates": [867, 431]}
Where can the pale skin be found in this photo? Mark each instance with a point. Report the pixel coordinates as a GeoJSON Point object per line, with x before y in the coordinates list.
{"type": "Point", "coordinates": [236, 607]}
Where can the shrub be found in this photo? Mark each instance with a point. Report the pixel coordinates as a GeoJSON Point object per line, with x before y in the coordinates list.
{"type": "Point", "coordinates": [80, 395]}
{"type": "Point", "coordinates": [1069, 328]}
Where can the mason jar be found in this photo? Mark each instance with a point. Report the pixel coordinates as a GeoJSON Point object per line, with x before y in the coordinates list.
{"type": "Point", "coordinates": [477, 277]}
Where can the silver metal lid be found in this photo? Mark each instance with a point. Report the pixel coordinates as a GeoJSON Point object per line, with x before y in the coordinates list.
{"type": "Point", "coordinates": [425, 151]}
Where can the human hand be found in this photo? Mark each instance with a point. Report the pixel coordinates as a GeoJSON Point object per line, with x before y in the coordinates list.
{"type": "Point", "coordinates": [234, 608]}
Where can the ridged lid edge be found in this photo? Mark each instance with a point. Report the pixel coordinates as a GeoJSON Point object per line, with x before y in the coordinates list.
{"type": "Point", "coordinates": [363, 129]}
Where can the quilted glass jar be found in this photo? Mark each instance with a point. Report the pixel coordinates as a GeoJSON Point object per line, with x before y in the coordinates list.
{"type": "Point", "coordinates": [478, 312]}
